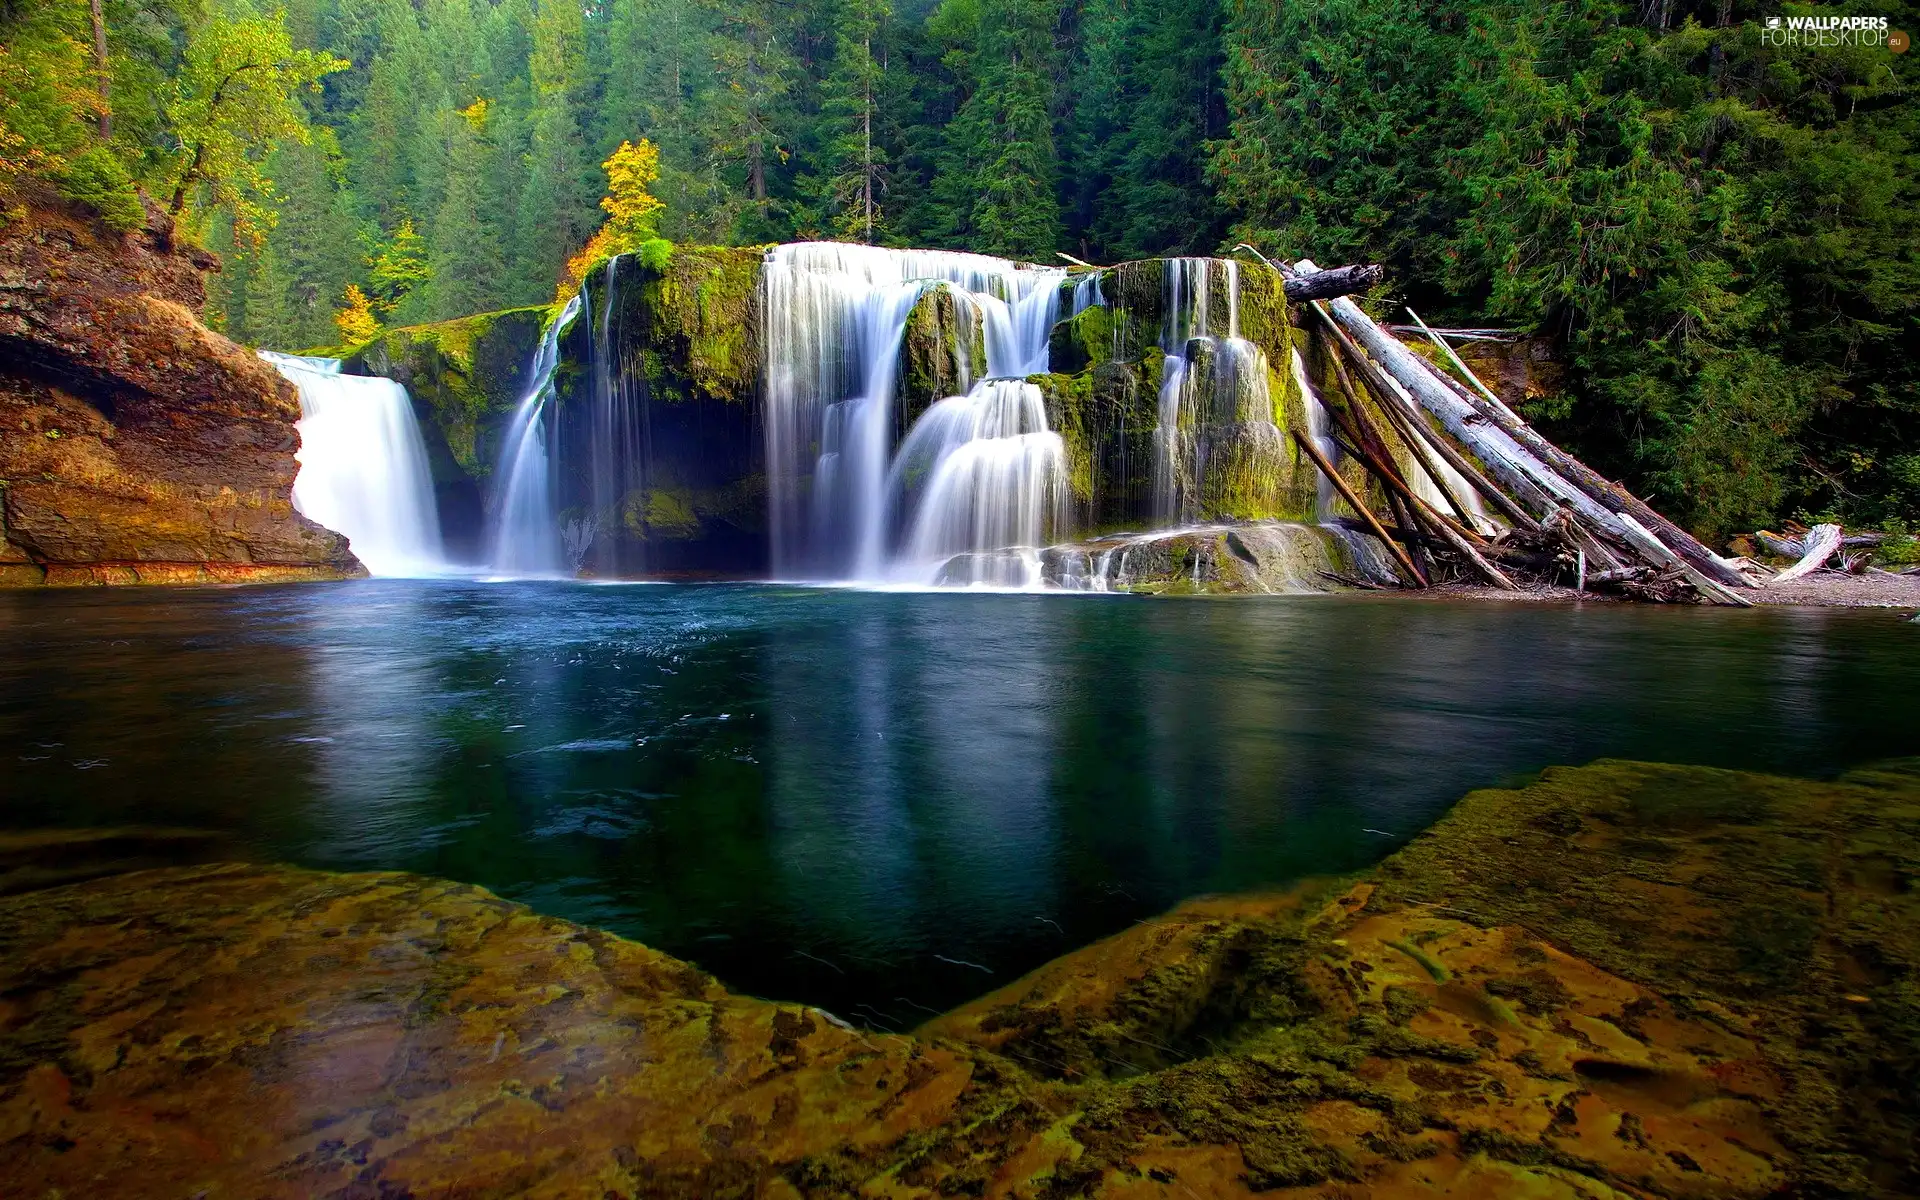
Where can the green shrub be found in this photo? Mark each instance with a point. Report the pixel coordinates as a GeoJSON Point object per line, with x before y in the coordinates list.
{"type": "Point", "coordinates": [96, 178]}
{"type": "Point", "coordinates": [655, 253]}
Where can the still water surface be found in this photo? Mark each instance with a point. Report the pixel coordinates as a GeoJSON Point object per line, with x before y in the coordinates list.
{"type": "Point", "coordinates": [882, 803]}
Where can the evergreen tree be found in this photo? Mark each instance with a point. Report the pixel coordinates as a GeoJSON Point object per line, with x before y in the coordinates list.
{"type": "Point", "coordinates": [998, 173]}
{"type": "Point", "coordinates": [556, 205]}
{"type": "Point", "coordinates": [468, 271]}
{"type": "Point", "coordinates": [851, 187]}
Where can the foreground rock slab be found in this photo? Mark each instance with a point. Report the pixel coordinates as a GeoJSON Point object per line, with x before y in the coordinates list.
{"type": "Point", "coordinates": [1623, 980]}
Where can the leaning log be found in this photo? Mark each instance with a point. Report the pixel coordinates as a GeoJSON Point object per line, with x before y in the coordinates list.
{"type": "Point", "coordinates": [1478, 428]}
{"type": "Point", "coordinates": [1603, 490]}
{"type": "Point", "coordinates": [1334, 281]}
{"type": "Point", "coordinates": [1660, 554]}
{"type": "Point", "coordinates": [1822, 543]}
{"type": "Point", "coordinates": [1360, 506]}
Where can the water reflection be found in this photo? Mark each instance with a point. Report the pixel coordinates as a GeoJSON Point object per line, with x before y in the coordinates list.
{"type": "Point", "coordinates": [878, 802]}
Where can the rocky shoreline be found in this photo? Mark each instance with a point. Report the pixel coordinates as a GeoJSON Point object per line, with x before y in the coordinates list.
{"type": "Point", "coordinates": [1623, 979]}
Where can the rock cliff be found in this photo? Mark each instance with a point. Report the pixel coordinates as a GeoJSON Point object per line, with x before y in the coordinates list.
{"type": "Point", "coordinates": [137, 445]}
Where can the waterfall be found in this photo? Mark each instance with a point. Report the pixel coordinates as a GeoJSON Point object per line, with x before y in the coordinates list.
{"type": "Point", "coordinates": [1214, 394]}
{"type": "Point", "coordinates": [363, 466]}
{"type": "Point", "coordinates": [526, 527]}
{"type": "Point", "coordinates": [993, 479]}
{"type": "Point", "coordinates": [834, 320]}
{"type": "Point", "coordinates": [619, 451]}
{"type": "Point", "coordinates": [1086, 293]}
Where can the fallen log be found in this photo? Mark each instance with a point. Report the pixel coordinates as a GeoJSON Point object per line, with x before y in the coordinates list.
{"type": "Point", "coordinates": [1793, 547]}
{"type": "Point", "coordinates": [1822, 542]}
{"type": "Point", "coordinates": [1409, 508]}
{"type": "Point", "coordinates": [1499, 445]}
{"type": "Point", "coordinates": [1506, 459]}
{"type": "Point", "coordinates": [1334, 281]}
{"type": "Point", "coordinates": [1603, 490]}
{"type": "Point", "coordinates": [1662, 555]}
{"type": "Point", "coordinates": [1356, 503]}
{"type": "Point", "coordinates": [1515, 514]}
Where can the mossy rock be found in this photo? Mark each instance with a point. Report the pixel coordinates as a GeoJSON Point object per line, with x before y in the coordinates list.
{"type": "Point", "coordinates": [686, 318]}
{"type": "Point", "coordinates": [943, 350]}
{"type": "Point", "coordinates": [1106, 416]}
{"type": "Point", "coordinates": [466, 377]}
{"type": "Point", "coordinates": [1082, 340]}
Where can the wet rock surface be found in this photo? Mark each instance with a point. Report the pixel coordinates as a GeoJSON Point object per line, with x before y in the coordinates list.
{"type": "Point", "coordinates": [137, 445]}
{"type": "Point", "coordinates": [1620, 980]}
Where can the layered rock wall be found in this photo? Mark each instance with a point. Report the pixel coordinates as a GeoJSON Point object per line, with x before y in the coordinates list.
{"type": "Point", "coordinates": [137, 445]}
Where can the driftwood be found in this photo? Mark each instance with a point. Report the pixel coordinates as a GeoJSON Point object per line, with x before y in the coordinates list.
{"type": "Point", "coordinates": [1334, 281]}
{"type": "Point", "coordinates": [1536, 472]}
{"type": "Point", "coordinates": [1794, 546]}
{"type": "Point", "coordinates": [1662, 555]}
{"type": "Point", "coordinates": [1462, 335]}
{"type": "Point", "coordinates": [1598, 487]}
{"type": "Point", "coordinates": [1384, 393]}
{"type": "Point", "coordinates": [1360, 506]}
{"type": "Point", "coordinates": [1822, 543]}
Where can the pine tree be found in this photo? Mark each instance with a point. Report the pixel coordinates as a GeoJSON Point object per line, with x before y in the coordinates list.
{"type": "Point", "coordinates": [556, 206]}
{"type": "Point", "coordinates": [852, 186]}
{"type": "Point", "coordinates": [467, 267]}
{"type": "Point", "coordinates": [756, 73]}
{"type": "Point", "coordinates": [999, 167]}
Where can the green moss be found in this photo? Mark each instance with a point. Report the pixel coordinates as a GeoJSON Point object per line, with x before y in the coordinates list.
{"type": "Point", "coordinates": [1082, 341]}
{"type": "Point", "coordinates": [465, 375]}
{"type": "Point", "coordinates": [942, 346]}
{"type": "Point", "coordinates": [697, 307]}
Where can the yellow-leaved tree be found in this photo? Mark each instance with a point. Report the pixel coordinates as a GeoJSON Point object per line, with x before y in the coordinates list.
{"type": "Point", "coordinates": [233, 100]}
{"type": "Point", "coordinates": [357, 322]}
{"type": "Point", "coordinates": [633, 213]}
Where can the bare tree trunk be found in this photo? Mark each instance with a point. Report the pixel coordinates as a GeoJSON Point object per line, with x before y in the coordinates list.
{"type": "Point", "coordinates": [1516, 454]}
{"type": "Point", "coordinates": [100, 69]}
{"type": "Point", "coordinates": [1822, 542]}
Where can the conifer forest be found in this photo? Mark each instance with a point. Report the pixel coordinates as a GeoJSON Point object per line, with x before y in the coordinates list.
{"type": "Point", "coordinates": [1718, 237]}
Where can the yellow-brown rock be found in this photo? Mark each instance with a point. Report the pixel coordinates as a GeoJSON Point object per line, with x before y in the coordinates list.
{"type": "Point", "coordinates": [1624, 980]}
{"type": "Point", "coordinates": [137, 445]}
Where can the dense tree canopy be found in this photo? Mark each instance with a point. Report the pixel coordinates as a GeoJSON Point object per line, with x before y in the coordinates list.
{"type": "Point", "coordinates": [1718, 234]}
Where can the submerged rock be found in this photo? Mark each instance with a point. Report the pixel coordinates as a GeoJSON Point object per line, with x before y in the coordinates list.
{"type": "Point", "coordinates": [136, 444]}
{"type": "Point", "coordinates": [1625, 979]}
{"type": "Point", "coordinates": [1262, 557]}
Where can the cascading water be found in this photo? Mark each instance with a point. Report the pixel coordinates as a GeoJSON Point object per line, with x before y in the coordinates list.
{"type": "Point", "coordinates": [835, 318]}
{"type": "Point", "coordinates": [363, 466]}
{"type": "Point", "coordinates": [993, 485]}
{"type": "Point", "coordinates": [526, 527]}
{"type": "Point", "coordinates": [1214, 394]}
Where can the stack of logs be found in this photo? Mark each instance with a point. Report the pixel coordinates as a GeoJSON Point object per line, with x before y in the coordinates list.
{"type": "Point", "coordinates": [1564, 521]}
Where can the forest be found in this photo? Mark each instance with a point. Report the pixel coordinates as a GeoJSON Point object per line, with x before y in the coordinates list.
{"type": "Point", "coordinates": [1717, 235]}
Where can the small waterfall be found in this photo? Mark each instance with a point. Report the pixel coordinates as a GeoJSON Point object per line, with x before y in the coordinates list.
{"type": "Point", "coordinates": [363, 466]}
{"type": "Point", "coordinates": [1086, 293]}
{"type": "Point", "coordinates": [1214, 395]}
{"type": "Point", "coordinates": [1323, 440]}
{"type": "Point", "coordinates": [618, 455]}
{"type": "Point", "coordinates": [992, 481]}
{"type": "Point", "coordinates": [526, 527]}
{"type": "Point", "coordinates": [834, 319]}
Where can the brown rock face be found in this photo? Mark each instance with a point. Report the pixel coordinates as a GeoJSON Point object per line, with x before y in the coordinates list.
{"type": "Point", "coordinates": [137, 445]}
